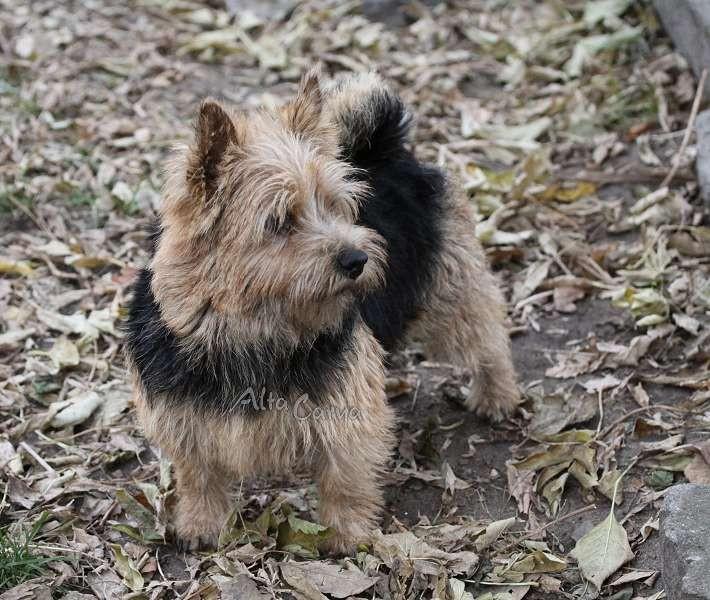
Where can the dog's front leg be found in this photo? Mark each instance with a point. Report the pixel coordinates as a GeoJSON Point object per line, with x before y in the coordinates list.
{"type": "Point", "coordinates": [355, 447]}
{"type": "Point", "coordinates": [203, 504]}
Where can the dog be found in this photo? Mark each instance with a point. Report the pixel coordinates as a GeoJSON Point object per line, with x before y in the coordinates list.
{"type": "Point", "coordinates": [296, 248]}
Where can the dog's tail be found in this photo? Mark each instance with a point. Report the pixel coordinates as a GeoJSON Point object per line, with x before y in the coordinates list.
{"type": "Point", "coordinates": [372, 121]}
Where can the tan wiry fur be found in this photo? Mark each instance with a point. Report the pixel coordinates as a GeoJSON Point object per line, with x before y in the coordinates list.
{"type": "Point", "coordinates": [463, 322]}
{"type": "Point", "coordinates": [346, 449]}
{"type": "Point", "coordinates": [217, 276]}
{"type": "Point", "coordinates": [273, 174]}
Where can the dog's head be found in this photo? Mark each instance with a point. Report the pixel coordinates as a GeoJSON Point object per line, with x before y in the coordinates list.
{"type": "Point", "coordinates": [259, 218]}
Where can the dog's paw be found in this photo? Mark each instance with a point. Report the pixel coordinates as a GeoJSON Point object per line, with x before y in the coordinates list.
{"type": "Point", "coordinates": [340, 545]}
{"type": "Point", "coordinates": [192, 539]}
{"type": "Point", "coordinates": [495, 403]}
{"type": "Point", "coordinates": [195, 543]}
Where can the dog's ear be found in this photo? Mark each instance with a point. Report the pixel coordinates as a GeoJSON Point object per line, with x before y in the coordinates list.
{"type": "Point", "coordinates": [214, 132]}
{"type": "Point", "coordinates": [303, 113]}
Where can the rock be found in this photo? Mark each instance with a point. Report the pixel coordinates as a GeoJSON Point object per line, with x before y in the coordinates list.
{"type": "Point", "coordinates": [688, 24]}
{"type": "Point", "coordinates": [267, 10]}
{"type": "Point", "coordinates": [389, 12]}
{"type": "Point", "coordinates": [396, 13]}
{"type": "Point", "coordinates": [702, 161]}
{"type": "Point", "coordinates": [685, 542]}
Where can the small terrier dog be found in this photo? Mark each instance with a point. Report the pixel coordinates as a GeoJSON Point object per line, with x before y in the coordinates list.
{"type": "Point", "coordinates": [297, 247]}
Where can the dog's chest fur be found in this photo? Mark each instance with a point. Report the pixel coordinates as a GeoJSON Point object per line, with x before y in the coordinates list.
{"type": "Point", "coordinates": [226, 378]}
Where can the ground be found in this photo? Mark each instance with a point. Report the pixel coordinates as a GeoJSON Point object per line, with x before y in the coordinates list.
{"type": "Point", "coordinates": [566, 125]}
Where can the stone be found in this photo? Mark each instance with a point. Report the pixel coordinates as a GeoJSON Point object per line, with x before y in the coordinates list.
{"type": "Point", "coordinates": [685, 542]}
{"type": "Point", "coordinates": [688, 24]}
{"type": "Point", "coordinates": [395, 13]}
{"type": "Point", "coordinates": [702, 160]}
{"type": "Point", "coordinates": [270, 11]}
{"type": "Point", "coordinates": [390, 12]}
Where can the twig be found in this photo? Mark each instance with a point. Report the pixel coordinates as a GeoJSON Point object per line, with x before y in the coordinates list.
{"type": "Point", "coordinates": [157, 564]}
{"type": "Point", "coordinates": [31, 216]}
{"type": "Point", "coordinates": [191, 591]}
{"type": "Point", "coordinates": [662, 108]}
{"type": "Point", "coordinates": [48, 548]}
{"type": "Point", "coordinates": [56, 272]}
{"type": "Point", "coordinates": [601, 412]}
{"type": "Point", "coordinates": [67, 475]}
{"type": "Point", "coordinates": [636, 411]}
{"type": "Point", "coordinates": [93, 364]}
{"type": "Point", "coordinates": [33, 453]}
{"type": "Point", "coordinates": [635, 176]}
{"type": "Point", "coordinates": [675, 164]}
{"type": "Point", "coordinates": [46, 438]}
{"type": "Point", "coordinates": [415, 395]}
{"type": "Point", "coordinates": [569, 515]}
{"type": "Point", "coordinates": [545, 527]}
{"type": "Point", "coordinates": [106, 515]}
{"type": "Point", "coordinates": [506, 584]}
{"type": "Point", "coordinates": [618, 480]}
{"type": "Point", "coordinates": [532, 299]}
{"type": "Point", "coordinates": [3, 502]}
{"type": "Point", "coordinates": [613, 505]}
{"type": "Point", "coordinates": [567, 281]}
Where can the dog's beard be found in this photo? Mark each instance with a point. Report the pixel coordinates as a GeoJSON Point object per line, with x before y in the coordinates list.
{"type": "Point", "coordinates": [327, 309]}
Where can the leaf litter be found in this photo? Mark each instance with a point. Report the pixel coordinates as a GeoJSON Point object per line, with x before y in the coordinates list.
{"type": "Point", "coordinates": [560, 120]}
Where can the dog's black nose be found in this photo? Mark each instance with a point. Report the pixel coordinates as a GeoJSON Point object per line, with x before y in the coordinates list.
{"type": "Point", "coordinates": [352, 262]}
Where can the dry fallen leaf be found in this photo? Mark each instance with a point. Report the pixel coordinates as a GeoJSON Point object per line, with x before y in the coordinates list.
{"type": "Point", "coordinates": [16, 267]}
{"type": "Point", "coordinates": [327, 578]}
{"type": "Point", "coordinates": [132, 577]}
{"type": "Point", "coordinates": [64, 353]}
{"type": "Point", "coordinates": [423, 557]}
{"type": "Point", "coordinates": [75, 410]}
{"type": "Point", "coordinates": [698, 469]}
{"type": "Point", "coordinates": [520, 485]}
{"type": "Point", "coordinates": [602, 551]}
{"type": "Point", "coordinates": [534, 276]}
{"type": "Point", "coordinates": [492, 532]}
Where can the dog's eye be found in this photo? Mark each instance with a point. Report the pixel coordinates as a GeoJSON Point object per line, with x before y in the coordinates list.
{"type": "Point", "coordinates": [279, 226]}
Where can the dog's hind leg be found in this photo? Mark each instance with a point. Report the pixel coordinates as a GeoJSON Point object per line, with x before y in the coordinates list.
{"type": "Point", "coordinates": [463, 319]}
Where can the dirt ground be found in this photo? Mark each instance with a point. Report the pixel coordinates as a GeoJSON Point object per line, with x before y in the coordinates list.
{"type": "Point", "coordinates": [566, 124]}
